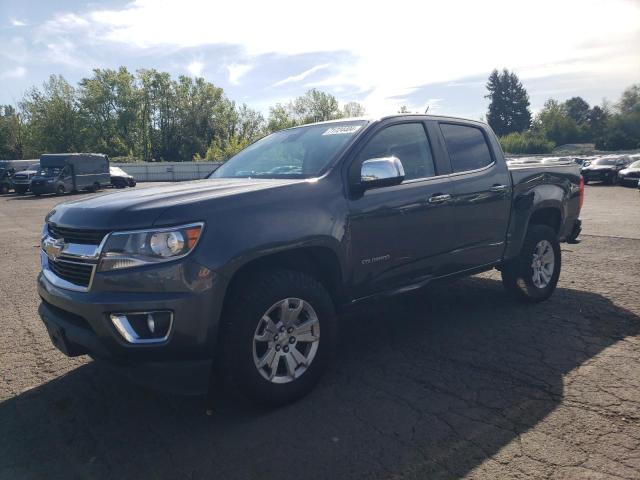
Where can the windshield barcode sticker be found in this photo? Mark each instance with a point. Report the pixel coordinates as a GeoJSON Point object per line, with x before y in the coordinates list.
{"type": "Point", "coordinates": [342, 130]}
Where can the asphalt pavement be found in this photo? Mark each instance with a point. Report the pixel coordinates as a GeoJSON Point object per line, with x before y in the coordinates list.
{"type": "Point", "coordinates": [457, 381]}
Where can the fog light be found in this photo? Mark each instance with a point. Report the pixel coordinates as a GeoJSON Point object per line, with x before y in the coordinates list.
{"type": "Point", "coordinates": [143, 327]}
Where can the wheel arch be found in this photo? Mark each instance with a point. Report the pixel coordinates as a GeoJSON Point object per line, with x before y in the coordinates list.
{"type": "Point", "coordinates": [548, 212]}
{"type": "Point", "coordinates": [321, 262]}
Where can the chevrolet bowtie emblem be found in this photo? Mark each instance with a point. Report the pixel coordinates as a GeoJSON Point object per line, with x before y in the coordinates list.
{"type": "Point", "coordinates": [53, 247]}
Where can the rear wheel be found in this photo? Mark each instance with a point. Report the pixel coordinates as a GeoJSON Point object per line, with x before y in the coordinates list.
{"type": "Point", "coordinates": [4, 189]}
{"type": "Point", "coordinates": [60, 190]}
{"type": "Point", "coordinates": [278, 337]}
{"type": "Point", "coordinates": [95, 187]}
{"type": "Point", "coordinates": [533, 275]}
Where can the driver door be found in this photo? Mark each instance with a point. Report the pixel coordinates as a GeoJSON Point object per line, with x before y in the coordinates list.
{"type": "Point", "coordinates": [400, 234]}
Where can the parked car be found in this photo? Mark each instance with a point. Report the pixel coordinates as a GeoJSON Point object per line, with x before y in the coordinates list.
{"type": "Point", "coordinates": [247, 268]}
{"type": "Point", "coordinates": [5, 180]}
{"type": "Point", "coordinates": [22, 180]}
{"type": "Point", "coordinates": [120, 178]}
{"type": "Point", "coordinates": [631, 174]}
{"type": "Point", "coordinates": [71, 172]}
{"type": "Point", "coordinates": [604, 169]}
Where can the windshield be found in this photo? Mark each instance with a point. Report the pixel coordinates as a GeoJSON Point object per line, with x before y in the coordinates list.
{"type": "Point", "coordinates": [605, 161]}
{"type": "Point", "coordinates": [635, 164]}
{"type": "Point", "coordinates": [117, 171]}
{"type": "Point", "coordinates": [49, 172]}
{"type": "Point", "coordinates": [301, 152]}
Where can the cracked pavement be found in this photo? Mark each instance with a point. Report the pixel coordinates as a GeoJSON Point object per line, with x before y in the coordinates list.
{"type": "Point", "coordinates": [457, 381]}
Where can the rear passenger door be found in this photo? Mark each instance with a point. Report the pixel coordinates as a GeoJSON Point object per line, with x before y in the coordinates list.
{"type": "Point", "coordinates": [399, 234]}
{"type": "Point", "coordinates": [481, 195]}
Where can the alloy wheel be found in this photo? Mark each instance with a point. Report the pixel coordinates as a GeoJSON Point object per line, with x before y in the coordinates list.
{"type": "Point", "coordinates": [286, 340]}
{"type": "Point", "coordinates": [542, 264]}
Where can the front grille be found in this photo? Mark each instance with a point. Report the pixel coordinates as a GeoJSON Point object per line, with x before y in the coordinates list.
{"type": "Point", "coordinates": [633, 175]}
{"type": "Point", "coordinates": [73, 272]}
{"type": "Point", "coordinates": [72, 235]}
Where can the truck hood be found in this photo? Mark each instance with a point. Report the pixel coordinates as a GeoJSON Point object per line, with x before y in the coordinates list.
{"type": "Point", "coordinates": [141, 207]}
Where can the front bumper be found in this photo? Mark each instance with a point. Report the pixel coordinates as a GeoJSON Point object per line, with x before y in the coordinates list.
{"type": "Point", "coordinates": [599, 175]}
{"type": "Point", "coordinates": [78, 324]}
{"type": "Point", "coordinates": [628, 179]}
{"type": "Point", "coordinates": [42, 187]}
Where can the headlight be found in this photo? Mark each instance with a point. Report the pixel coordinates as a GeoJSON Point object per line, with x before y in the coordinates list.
{"type": "Point", "coordinates": [145, 247]}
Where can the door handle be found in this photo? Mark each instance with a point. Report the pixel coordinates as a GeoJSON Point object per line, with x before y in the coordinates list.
{"type": "Point", "coordinates": [498, 188]}
{"type": "Point", "coordinates": [439, 198]}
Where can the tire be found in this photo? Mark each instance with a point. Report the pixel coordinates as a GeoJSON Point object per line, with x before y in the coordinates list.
{"type": "Point", "coordinates": [20, 190]}
{"type": "Point", "coordinates": [241, 353]}
{"type": "Point", "coordinates": [60, 190]}
{"type": "Point", "coordinates": [4, 189]}
{"type": "Point", "coordinates": [519, 275]}
{"type": "Point", "coordinates": [95, 187]}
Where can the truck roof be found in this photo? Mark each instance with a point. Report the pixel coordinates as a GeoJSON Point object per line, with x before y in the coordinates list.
{"type": "Point", "coordinates": [423, 116]}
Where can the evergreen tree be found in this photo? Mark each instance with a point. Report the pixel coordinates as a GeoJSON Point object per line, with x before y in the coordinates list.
{"type": "Point", "coordinates": [509, 103]}
{"type": "Point", "coordinates": [577, 109]}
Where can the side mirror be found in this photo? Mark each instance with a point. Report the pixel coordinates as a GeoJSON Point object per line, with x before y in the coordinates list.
{"type": "Point", "coordinates": [381, 172]}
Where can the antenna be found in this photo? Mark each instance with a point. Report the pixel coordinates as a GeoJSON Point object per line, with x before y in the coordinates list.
{"type": "Point", "coordinates": [427, 110]}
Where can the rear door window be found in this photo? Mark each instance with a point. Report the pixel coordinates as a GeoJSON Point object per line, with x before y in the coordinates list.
{"type": "Point", "coordinates": [467, 147]}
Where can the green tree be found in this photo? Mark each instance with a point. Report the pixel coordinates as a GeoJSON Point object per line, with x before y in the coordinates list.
{"type": "Point", "coordinates": [630, 100]}
{"type": "Point", "coordinates": [526, 142]}
{"type": "Point", "coordinates": [352, 110]}
{"type": "Point", "coordinates": [555, 124]}
{"type": "Point", "coordinates": [597, 120]}
{"type": "Point", "coordinates": [509, 103]}
{"type": "Point", "coordinates": [280, 118]}
{"type": "Point", "coordinates": [52, 118]}
{"type": "Point", "coordinates": [403, 109]}
{"type": "Point", "coordinates": [313, 106]}
{"type": "Point", "coordinates": [623, 126]}
{"type": "Point", "coordinates": [10, 133]}
{"type": "Point", "coordinates": [578, 109]}
{"type": "Point", "coordinates": [108, 106]}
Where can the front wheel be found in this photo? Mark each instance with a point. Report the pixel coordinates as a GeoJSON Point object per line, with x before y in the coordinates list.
{"type": "Point", "coordinates": [278, 337]}
{"type": "Point", "coordinates": [533, 275]}
{"type": "Point", "coordinates": [60, 190]}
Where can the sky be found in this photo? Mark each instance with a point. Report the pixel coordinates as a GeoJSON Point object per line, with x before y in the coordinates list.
{"type": "Point", "coordinates": [382, 54]}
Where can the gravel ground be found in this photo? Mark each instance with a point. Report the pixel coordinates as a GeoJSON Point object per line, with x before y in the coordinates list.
{"type": "Point", "coordinates": [458, 381]}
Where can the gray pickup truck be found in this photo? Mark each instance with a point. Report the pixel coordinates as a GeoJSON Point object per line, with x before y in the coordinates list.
{"type": "Point", "coordinates": [242, 273]}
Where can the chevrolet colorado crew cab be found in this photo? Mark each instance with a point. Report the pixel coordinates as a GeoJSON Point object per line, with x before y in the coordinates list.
{"type": "Point", "coordinates": [242, 273]}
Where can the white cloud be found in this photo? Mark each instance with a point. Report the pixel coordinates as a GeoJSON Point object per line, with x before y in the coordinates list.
{"type": "Point", "coordinates": [17, 23]}
{"type": "Point", "coordinates": [301, 76]}
{"type": "Point", "coordinates": [17, 72]}
{"type": "Point", "coordinates": [393, 55]}
{"type": "Point", "coordinates": [237, 71]}
{"type": "Point", "coordinates": [195, 68]}
{"type": "Point", "coordinates": [389, 56]}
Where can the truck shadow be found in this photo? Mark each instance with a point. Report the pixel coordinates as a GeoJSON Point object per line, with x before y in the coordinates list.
{"type": "Point", "coordinates": [427, 385]}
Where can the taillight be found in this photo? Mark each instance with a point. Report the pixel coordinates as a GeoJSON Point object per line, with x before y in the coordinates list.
{"type": "Point", "coordinates": [581, 193]}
